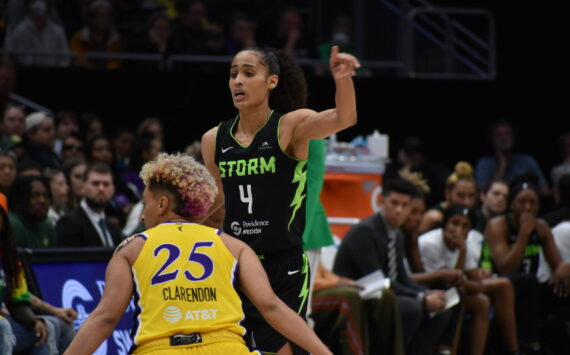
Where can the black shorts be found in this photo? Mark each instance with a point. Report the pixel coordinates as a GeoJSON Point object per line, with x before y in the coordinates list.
{"type": "Point", "coordinates": [289, 277]}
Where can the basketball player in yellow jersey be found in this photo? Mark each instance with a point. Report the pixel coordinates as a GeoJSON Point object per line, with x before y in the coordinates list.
{"type": "Point", "coordinates": [183, 274]}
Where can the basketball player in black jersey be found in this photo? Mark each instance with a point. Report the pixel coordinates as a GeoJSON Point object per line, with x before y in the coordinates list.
{"type": "Point", "coordinates": [259, 161]}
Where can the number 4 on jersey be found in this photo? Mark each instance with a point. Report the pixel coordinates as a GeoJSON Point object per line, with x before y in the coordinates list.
{"type": "Point", "coordinates": [246, 198]}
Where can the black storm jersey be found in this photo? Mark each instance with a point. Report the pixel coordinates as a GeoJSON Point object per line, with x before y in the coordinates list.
{"type": "Point", "coordinates": [264, 188]}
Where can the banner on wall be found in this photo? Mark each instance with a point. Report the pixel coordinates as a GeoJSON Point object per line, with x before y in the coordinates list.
{"type": "Point", "coordinates": [76, 279]}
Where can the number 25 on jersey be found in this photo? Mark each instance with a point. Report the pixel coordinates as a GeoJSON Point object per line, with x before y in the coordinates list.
{"type": "Point", "coordinates": [174, 253]}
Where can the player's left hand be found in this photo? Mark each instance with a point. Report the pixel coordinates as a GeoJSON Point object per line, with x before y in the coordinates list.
{"type": "Point", "coordinates": [41, 332]}
{"type": "Point", "coordinates": [67, 314]}
{"type": "Point", "coordinates": [342, 64]}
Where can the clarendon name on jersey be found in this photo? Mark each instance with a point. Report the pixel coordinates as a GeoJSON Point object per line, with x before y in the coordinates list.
{"type": "Point", "coordinates": [243, 167]}
{"type": "Point", "coordinates": [189, 294]}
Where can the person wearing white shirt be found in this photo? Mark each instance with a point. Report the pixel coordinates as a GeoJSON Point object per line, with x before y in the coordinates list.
{"type": "Point", "coordinates": [457, 246]}
{"type": "Point", "coordinates": [561, 234]}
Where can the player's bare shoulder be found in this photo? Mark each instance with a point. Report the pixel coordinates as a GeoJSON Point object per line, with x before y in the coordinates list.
{"type": "Point", "coordinates": [209, 138]}
{"type": "Point", "coordinates": [234, 245]}
{"type": "Point", "coordinates": [130, 247]}
{"type": "Point", "coordinates": [293, 118]}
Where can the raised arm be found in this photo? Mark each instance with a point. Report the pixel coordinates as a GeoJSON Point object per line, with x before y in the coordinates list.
{"type": "Point", "coordinates": [116, 297]}
{"type": "Point", "coordinates": [209, 154]}
{"type": "Point", "coordinates": [308, 124]}
{"type": "Point", "coordinates": [255, 284]}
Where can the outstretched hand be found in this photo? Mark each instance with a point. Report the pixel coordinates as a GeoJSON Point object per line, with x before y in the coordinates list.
{"type": "Point", "coordinates": [342, 64]}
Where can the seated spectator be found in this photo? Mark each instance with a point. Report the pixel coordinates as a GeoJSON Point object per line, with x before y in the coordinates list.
{"type": "Point", "coordinates": [12, 126]}
{"type": "Point", "coordinates": [156, 39]}
{"type": "Point", "coordinates": [349, 324]}
{"type": "Point", "coordinates": [38, 33]}
{"type": "Point", "coordinates": [505, 164]}
{"type": "Point", "coordinates": [215, 40]}
{"type": "Point", "coordinates": [564, 167]}
{"type": "Point", "coordinates": [242, 34]}
{"type": "Point", "coordinates": [72, 147]}
{"type": "Point", "coordinates": [59, 193]}
{"type": "Point", "coordinates": [99, 151]}
{"type": "Point", "coordinates": [90, 126]}
{"type": "Point", "coordinates": [521, 246]}
{"type": "Point", "coordinates": [459, 190]}
{"type": "Point", "coordinates": [130, 17]}
{"type": "Point", "coordinates": [562, 199]}
{"type": "Point", "coordinates": [123, 147]}
{"type": "Point", "coordinates": [152, 126]}
{"type": "Point", "coordinates": [74, 170]}
{"type": "Point", "coordinates": [289, 35]}
{"type": "Point", "coordinates": [493, 199]}
{"type": "Point", "coordinates": [65, 125]}
{"type": "Point", "coordinates": [189, 28]}
{"type": "Point", "coordinates": [444, 278]}
{"type": "Point", "coordinates": [98, 36]}
{"type": "Point", "coordinates": [456, 246]}
{"type": "Point", "coordinates": [59, 323]}
{"type": "Point", "coordinates": [21, 331]}
{"type": "Point", "coordinates": [39, 140]}
{"type": "Point", "coordinates": [87, 225]}
{"type": "Point", "coordinates": [376, 244]}
{"type": "Point", "coordinates": [411, 156]}
{"type": "Point", "coordinates": [146, 148]}
{"type": "Point", "coordinates": [29, 200]}
{"type": "Point", "coordinates": [7, 170]}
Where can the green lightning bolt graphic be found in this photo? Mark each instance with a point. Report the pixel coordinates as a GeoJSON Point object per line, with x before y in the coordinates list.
{"type": "Point", "coordinates": [299, 176]}
{"type": "Point", "coordinates": [305, 289]}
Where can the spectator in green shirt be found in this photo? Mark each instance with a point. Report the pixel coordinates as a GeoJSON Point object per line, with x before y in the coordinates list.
{"type": "Point", "coordinates": [29, 200]}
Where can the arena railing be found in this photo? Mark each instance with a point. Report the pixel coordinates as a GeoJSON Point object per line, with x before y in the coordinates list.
{"type": "Point", "coordinates": [171, 59]}
{"type": "Point", "coordinates": [446, 28]}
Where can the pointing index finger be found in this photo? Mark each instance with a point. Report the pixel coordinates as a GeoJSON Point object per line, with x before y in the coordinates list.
{"type": "Point", "coordinates": [334, 51]}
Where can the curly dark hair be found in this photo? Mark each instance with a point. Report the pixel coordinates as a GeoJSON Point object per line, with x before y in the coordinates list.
{"type": "Point", "coordinates": [291, 92]}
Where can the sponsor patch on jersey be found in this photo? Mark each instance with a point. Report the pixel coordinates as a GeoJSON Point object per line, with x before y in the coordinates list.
{"type": "Point", "coordinates": [172, 314]}
{"type": "Point", "coordinates": [254, 227]}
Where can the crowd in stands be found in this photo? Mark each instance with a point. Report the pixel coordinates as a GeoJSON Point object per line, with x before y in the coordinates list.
{"type": "Point", "coordinates": [499, 232]}
{"type": "Point", "coordinates": [66, 183]}
{"type": "Point", "coordinates": [70, 30]}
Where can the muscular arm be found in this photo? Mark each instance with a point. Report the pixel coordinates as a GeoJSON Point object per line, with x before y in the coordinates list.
{"type": "Point", "coordinates": [67, 314]}
{"type": "Point", "coordinates": [116, 297]}
{"type": "Point", "coordinates": [507, 260]}
{"type": "Point", "coordinates": [302, 125]}
{"type": "Point", "coordinates": [209, 154]}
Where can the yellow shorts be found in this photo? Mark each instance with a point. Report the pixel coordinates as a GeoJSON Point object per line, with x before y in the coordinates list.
{"type": "Point", "coordinates": [220, 342]}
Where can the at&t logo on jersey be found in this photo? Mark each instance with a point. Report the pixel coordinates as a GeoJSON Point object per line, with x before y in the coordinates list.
{"type": "Point", "coordinates": [172, 314]}
{"type": "Point", "coordinates": [236, 228]}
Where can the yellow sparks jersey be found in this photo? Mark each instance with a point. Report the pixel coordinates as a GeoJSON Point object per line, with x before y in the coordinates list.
{"type": "Point", "coordinates": [184, 283]}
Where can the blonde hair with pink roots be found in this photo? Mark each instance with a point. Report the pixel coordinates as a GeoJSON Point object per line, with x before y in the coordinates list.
{"type": "Point", "coordinates": [181, 173]}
